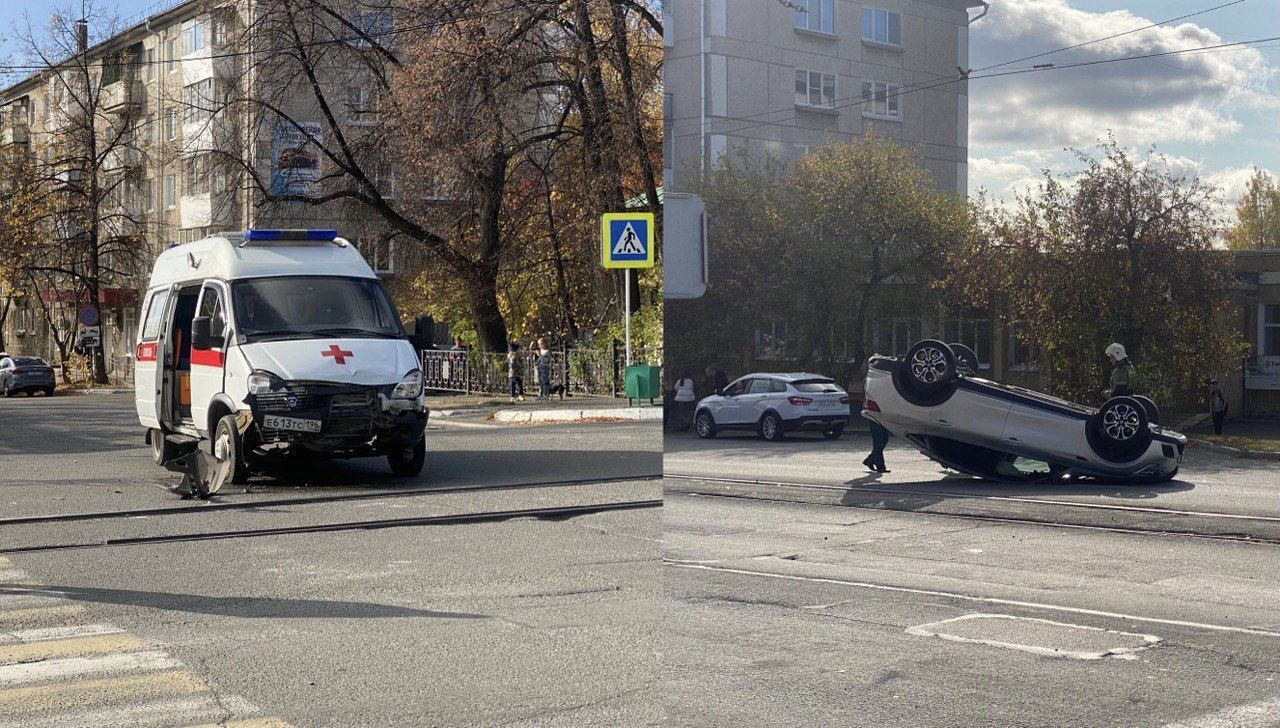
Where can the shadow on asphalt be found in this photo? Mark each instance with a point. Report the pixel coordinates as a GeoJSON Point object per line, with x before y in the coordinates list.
{"type": "Point", "coordinates": [953, 487]}
{"type": "Point", "coordinates": [246, 607]}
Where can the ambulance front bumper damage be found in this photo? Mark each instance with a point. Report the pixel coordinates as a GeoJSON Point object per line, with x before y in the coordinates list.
{"type": "Point", "coordinates": [339, 419]}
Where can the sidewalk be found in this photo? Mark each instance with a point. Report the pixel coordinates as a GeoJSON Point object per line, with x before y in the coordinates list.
{"type": "Point", "coordinates": [1259, 439]}
{"type": "Point", "coordinates": [533, 410]}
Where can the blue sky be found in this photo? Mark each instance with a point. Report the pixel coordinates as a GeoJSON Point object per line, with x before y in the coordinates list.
{"type": "Point", "coordinates": [1214, 114]}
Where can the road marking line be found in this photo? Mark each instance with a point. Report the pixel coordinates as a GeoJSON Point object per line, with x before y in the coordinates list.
{"type": "Point", "coordinates": [164, 712]}
{"type": "Point", "coordinates": [972, 598]}
{"type": "Point", "coordinates": [934, 629]}
{"type": "Point", "coordinates": [34, 614]}
{"type": "Point", "coordinates": [44, 634]}
{"type": "Point", "coordinates": [11, 575]}
{"type": "Point", "coordinates": [30, 672]}
{"type": "Point", "coordinates": [1265, 714]}
{"type": "Point", "coordinates": [976, 496]}
{"type": "Point", "coordinates": [114, 690]}
{"type": "Point", "coordinates": [105, 644]}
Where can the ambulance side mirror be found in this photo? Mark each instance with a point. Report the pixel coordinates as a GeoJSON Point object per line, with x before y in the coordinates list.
{"type": "Point", "coordinates": [201, 336]}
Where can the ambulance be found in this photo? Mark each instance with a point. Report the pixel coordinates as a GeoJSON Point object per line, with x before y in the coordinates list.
{"type": "Point", "coordinates": [266, 345]}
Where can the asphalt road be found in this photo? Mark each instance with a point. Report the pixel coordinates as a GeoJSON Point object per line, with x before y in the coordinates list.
{"type": "Point", "coordinates": [521, 621]}
{"type": "Point", "coordinates": [919, 599]}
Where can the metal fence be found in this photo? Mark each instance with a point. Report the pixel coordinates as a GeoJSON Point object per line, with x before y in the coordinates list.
{"type": "Point", "coordinates": [572, 372]}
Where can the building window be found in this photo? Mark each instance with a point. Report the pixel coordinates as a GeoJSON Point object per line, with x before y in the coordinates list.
{"type": "Point", "coordinates": [362, 104]}
{"type": "Point", "coordinates": [197, 171]}
{"type": "Point", "coordinates": [819, 15]}
{"type": "Point", "coordinates": [193, 35]}
{"type": "Point", "coordinates": [903, 332]}
{"type": "Point", "coordinates": [170, 192]}
{"type": "Point", "coordinates": [815, 89]}
{"type": "Point", "coordinates": [881, 100]}
{"type": "Point", "coordinates": [171, 55]}
{"type": "Point", "coordinates": [197, 101]}
{"type": "Point", "coordinates": [171, 124]}
{"type": "Point", "coordinates": [881, 26]}
{"type": "Point", "coordinates": [386, 184]}
{"type": "Point", "coordinates": [1269, 339]}
{"type": "Point", "coordinates": [150, 194]}
{"type": "Point", "coordinates": [771, 340]}
{"type": "Point", "coordinates": [380, 254]}
{"type": "Point", "coordinates": [374, 24]}
{"type": "Point", "coordinates": [1022, 356]}
{"type": "Point", "coordinates": [973, 333]}
{"type": "Point", "coordinates": [151, 64]}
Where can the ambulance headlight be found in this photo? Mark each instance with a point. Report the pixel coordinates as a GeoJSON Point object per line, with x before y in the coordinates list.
{"type": "Point", "coordinates": [409, 387]}
{"type": "Point", "coordinates": [261, 382]}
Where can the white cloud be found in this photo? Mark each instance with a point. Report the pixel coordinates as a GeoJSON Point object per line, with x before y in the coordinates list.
{"type": "Point", "coordinates": [1184, 98]}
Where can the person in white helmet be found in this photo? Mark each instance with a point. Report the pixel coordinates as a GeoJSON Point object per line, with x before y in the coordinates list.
{"type": "Point", "coordinates": [1122, 375]}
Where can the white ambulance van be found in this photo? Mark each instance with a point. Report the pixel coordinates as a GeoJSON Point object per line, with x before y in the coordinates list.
{"type": "Point", "coordinates": [266, 344]}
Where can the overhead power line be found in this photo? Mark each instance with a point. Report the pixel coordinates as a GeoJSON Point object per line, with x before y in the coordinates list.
{"type": "Point", "coordinates": [857, 101]}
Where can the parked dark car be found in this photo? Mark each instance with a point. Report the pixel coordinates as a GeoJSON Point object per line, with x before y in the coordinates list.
{"type": "Point", "coordinates": [28, 374]}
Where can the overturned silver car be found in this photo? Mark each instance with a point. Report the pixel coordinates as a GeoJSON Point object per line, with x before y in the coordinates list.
{"type": "Point", "coordinates": [932, 398]}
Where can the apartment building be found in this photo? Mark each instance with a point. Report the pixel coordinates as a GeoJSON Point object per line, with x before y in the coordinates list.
{"type": "Point", "coordinates": [158, 112]}
{"type": "Point", "coordinates": [782, 78]}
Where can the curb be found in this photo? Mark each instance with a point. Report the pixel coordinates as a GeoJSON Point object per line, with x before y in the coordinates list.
{"type": "Point", "coordinates": [459, 412]}
{"type": "Point", "coordinates": [577, 415]}
{"type": "Point", "coordinates": [1235, 452]}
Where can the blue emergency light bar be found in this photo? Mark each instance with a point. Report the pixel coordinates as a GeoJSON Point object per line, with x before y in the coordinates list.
{"type": "Point", "coordinates": [263, 236]}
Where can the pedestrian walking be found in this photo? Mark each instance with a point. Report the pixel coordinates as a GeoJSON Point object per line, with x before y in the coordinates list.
{"type": "Point", "coordinates": [1218, 408]}
{"type": "Point", "coordinates": [514, 382]}
{"type": "Point", "coordinates": [1123, 375]}
{"type": "Point", "coordinates": [879, 438]}
{"type": "Point", "coordinates": [720, 380]}
{"type": "Point", "coordinates": [544, 370]}
{"type": "Point", "coordinates": [685, 398]}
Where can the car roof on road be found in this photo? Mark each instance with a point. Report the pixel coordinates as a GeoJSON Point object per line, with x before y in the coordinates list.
{"type": "Point", "coordinates": [787, 376]}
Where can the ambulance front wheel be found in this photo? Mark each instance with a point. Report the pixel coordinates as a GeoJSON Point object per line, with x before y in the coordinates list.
{"type": "Point", "coordinates": [407, 460]}
{"type": "Point", "coordinates": [228, 451]}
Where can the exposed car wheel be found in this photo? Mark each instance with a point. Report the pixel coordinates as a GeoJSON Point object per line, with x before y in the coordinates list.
{"type": "Point", "coordinates": [834, 433]}
{"type": "Point", "coordinates": [771, 427]}
{"type": "Point", "coordinates": [926, 376]}
{"type": "Point", "coordinates": [1119, 431]}
{"type": "Point", "coordinates": [407, 460]}
{"type": "Point", "coordinates": [1153, 412]}
{"type": "Point", "coordinates": [228, 455]}
{"type": "Point", "coordinates": [705, 425]}
{"type": "Point", "coordinates": [162, 451]}
{"type": "Point", "coordinates": [966, 358]}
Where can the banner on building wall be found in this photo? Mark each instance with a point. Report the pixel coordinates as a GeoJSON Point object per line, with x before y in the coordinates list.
{"type": "Point", "coordinates": [1263, 375]}
{"type": "Point", "coordinates": [295, 158]}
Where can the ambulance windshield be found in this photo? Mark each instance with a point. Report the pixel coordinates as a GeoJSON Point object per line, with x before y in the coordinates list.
{"type": "Point", "coordinates": [312, 307]}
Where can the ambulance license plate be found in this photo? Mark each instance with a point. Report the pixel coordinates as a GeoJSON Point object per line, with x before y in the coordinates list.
{"type": "Point", "coordinates": [275, 422]}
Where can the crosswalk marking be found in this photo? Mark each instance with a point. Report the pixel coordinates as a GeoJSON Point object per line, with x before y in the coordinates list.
{"type": "Point", "coordinates": [59, 669]}
{"type": "Point", "coordinates": [57, 633]}
{"type": "Point", "coordinates": [111, 689]}
{"type": "Point", "coordinates": [39, 614]}
{"type": "Point", "coordinates": [31, 651]}
{"type": "Point", "coordinates": [249, 723]}
{"type": "Point", "coordinates": [31, 672]}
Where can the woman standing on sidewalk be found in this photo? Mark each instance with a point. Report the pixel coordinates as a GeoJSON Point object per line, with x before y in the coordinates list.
{"type": "Point", "coordinates": [544, 370]}
{"type": "Point", "coordinates": [514, 382]}
{"type": "Point", "coordinates": [685, 397]}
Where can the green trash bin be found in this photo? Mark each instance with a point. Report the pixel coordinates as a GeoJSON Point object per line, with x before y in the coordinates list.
{"type": "Point", "coordinates": [644, 381]}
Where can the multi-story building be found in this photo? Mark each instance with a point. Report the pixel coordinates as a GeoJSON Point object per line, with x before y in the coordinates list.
{"type": "Point", "coordinates": [782, 78]}
{"type": "Point", "coordinates": [158, 87]}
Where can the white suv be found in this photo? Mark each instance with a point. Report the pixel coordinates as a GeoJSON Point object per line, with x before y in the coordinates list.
{"type": "Point", "coordinates": [773, 404]}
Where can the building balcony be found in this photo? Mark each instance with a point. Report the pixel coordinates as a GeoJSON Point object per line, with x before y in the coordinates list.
{"type": "Point", "coordinates": [67, 178]}
{"type": "Point", "coordinates": [122, 159]}
{"type": "Point", "coordinates": [15, 133]}
{"type": "Point", "coordinates": [123, 97]}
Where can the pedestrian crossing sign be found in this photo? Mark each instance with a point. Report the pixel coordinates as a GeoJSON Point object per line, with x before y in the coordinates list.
{"type": "Point", "coordinates": [626, 239]}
